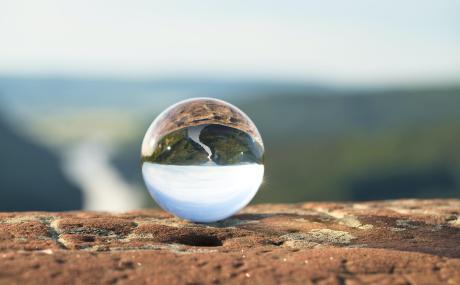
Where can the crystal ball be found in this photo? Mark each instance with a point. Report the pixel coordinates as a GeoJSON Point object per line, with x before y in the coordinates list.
{"type": "Point", "coordinates": [202, 160]}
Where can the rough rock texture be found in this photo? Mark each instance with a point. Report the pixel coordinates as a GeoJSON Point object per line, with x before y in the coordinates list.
{"type": "Point", "coordinates": [392, 242]}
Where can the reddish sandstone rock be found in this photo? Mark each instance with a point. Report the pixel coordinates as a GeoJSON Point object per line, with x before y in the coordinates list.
{"type": "Point", "coordinates": [391, 242]}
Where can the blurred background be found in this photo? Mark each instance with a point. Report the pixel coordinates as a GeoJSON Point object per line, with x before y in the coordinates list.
{"type": "Point", "coordinates": [355, 100]}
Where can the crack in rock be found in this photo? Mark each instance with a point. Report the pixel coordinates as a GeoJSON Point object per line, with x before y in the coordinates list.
{"type": "Point", "coordinates": [53, 230]}
{"type": "Point", "coordinates": [173, 247]}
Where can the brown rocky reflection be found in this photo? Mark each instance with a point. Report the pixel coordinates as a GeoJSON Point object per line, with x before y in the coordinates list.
{"type": "Point", "coordinates": [194, 112]}
{"type": "Point", "coordinates": [226, 146]}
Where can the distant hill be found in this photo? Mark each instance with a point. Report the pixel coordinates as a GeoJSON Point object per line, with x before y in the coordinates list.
{"type": "Point", "coordinates": [31, 178]}
{"type": "Point", "coordinates": [322, 143]}
{"type": "Point", "coordinates": [317, 114]}
{"type": "Point", "coordinates": [363, 145]}
{"type": "Point", "coordinates": [32, 96]}
{"type": "Point", "coordinates": [360, 146]}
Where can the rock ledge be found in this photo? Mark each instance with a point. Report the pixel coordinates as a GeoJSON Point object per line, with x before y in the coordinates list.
{"type": "Point", "coordinates": [390, 242]}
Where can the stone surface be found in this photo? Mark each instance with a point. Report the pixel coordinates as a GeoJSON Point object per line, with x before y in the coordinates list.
{"type": "Point", "coordinates": [391, 242]}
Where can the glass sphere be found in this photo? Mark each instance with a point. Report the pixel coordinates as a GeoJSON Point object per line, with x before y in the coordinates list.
{"type": "Point", "coordinates": [202, 159]}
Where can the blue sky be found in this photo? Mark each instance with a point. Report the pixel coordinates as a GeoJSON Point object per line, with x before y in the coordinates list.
{"type": "Point", "coordinates": [362, 42]}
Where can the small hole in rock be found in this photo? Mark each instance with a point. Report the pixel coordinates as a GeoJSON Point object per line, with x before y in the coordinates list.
{"type": "Point", "coordinates": [198, 240]}
{"type": "Point", "coordinates": [275, 242]}
{"type": "Point", "coordinates": [293, 231]}
{"type": "Point", "coordinates": [87, 238]}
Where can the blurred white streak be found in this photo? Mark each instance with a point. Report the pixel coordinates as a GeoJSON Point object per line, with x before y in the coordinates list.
{"type": "Point", "coordinates": [88, 165]}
